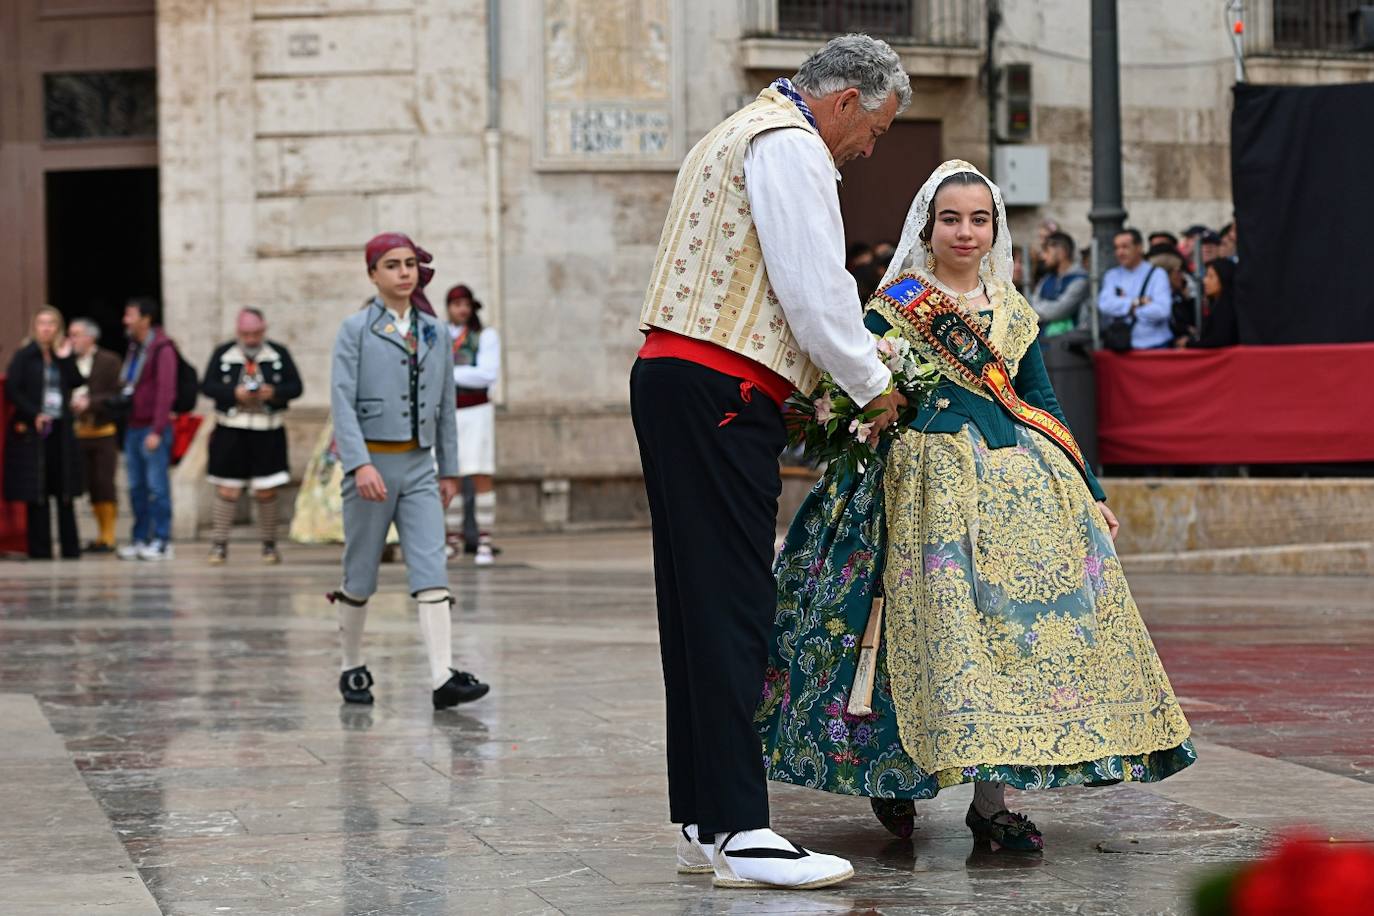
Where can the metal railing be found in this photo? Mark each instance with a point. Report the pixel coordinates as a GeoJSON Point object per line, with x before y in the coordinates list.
{"type": "Point", "coordinates": [946, 23]}
{"type": "Point", "coordinates": [1302, 27]}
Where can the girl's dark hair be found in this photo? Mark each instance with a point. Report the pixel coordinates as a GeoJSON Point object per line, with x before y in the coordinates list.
{"type": "Point", "coordinates": [958, 178]}
{"type": "Point", "coordinates": [1226, 272]}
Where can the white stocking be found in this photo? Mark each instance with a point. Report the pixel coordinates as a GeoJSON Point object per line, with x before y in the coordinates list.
{"type": "Point", "coordinates": [351, 621]}
{"type": "Point", "coordinates": [989, 798]}
{"type": "Point", "coordinates": [436, 627]}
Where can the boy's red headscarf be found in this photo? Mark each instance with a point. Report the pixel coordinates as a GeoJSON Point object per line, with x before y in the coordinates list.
{"type": "Point", "coordinates": [379, 245]}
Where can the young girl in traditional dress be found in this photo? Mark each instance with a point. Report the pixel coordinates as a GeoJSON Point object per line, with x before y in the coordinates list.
{"type": "Point", "coordinates": [1012, 652]}
{"type": "Point", "coordinates": [476, 368]}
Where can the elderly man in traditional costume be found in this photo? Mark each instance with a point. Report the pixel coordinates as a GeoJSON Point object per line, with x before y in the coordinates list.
{"type": "Point", "coordinates": [251, 380]}
{"type": "Point", "coordinates": [392, 401]}
{"type": "Point", "coordinates": [749, 301]}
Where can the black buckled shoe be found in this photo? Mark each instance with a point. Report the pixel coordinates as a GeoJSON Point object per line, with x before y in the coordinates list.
{"type": "Point", "coordinates": [356, 685]}
{"type": "Point", "coordinates": [898, 815]}
{"type": "Point", "coordinates": [1005, 829]}
{"type": "Point", "coordinates": [461, 688]}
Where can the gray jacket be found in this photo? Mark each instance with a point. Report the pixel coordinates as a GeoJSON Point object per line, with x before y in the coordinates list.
{"type": "Point", "coordinates": [370, 388]}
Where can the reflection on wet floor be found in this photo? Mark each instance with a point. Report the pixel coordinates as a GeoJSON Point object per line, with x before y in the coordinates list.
{"type": "Point", "coordinates": [200, 708]}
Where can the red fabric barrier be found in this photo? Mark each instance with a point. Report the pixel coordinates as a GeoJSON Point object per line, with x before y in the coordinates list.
{"type": "Point", "coordinates": [1240, 405]}
{"type": "Point", "coordinates": [13, 516]}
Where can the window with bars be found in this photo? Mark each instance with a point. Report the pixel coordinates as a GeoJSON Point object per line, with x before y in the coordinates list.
{"type": "Point", "coordinates": [943, 23]}
{"type": "Point", "coordinates": [876, 17]}
{"type": "Point", "coordinates": [1315, 25]}
{"type": "Point", "coordinates": [100, 105]}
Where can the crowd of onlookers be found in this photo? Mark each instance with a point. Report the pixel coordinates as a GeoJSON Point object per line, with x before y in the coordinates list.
{"type": "Point", "coordinates": [1155, 296]}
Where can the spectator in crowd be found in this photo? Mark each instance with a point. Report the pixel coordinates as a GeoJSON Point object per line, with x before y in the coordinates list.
{"type": "Point", "coordinates": [476, 369]}
{"type": "Point", "coordinates": [1157, 239]}
{"type": "Point", "coordinates": [1135, 296]}
{"type": "Point", "coordinates": [1039, 269]}
{"type": "Point", "coordinates": [882, 255]}
{"type": "Point", "coordinates": [41, 458]}
{"type": "Point", "coordinates": [1219, 324]}
{"type": "Point", "coordinates": [859, 261]}
{"type": "Point", "coordinates": [96, 431]}
{"type": "Point", "coordinates": [1062, 298]}
{"type": "Point", "coordinates": [1182, 311]}
{"type": "Point", "coordinates": [1188, 246]}
{"type": "Point", "coordinates": [149, 379]}
{"type": "Point", "coordinates": [251, 380]}
{"type": "Point", "coordinates": [1209, 244]}
{"type": "Point", "coordinates": [860, 254]}
{"type": "Point", "coordinates": [1228, 242]}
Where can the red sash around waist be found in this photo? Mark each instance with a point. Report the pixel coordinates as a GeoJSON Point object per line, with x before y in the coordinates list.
{"type": "Point", "coordinates": [661, 344]}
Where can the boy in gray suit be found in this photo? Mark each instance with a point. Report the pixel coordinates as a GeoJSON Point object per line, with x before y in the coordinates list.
{"type": "Point", "coordinates": [392, 402]}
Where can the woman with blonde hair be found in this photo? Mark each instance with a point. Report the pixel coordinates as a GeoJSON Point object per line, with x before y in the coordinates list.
{"type": "Point", "coordinates": [42, 461]}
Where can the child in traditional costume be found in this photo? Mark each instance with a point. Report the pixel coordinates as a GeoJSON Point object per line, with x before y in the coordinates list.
{"type": "Point", "coordinates": [1012, 652]}
{"type": "Point", "coordinates": [392, 404]}
{"type": "Point", "coordinates": [476, 368]}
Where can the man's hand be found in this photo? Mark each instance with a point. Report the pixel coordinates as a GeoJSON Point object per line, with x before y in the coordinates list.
{"type": "Point", "coordinates": [1113, 526]}
{"type": "Point", "coordinates": [889, 404]}
{"type": "Point", "coordinates": [42, 423]}
{"type": "Point", "coordinates": [151, 442]}
{"type": "Point", "coordinates": [448, 489]}
{"type": "Point", "coordinates": [370, 484]}
{"type": "Point", "coordinates": [243, 395]}
{"type": "Point", "coordinates": [266, 392]}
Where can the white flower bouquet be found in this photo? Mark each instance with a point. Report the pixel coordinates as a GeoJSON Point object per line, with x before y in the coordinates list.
{"type": "Point", "coordinates": [830, 427]}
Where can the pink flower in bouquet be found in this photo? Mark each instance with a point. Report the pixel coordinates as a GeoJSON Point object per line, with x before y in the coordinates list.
{"type": "Point", "coordinates": [890, 353]}
{"type": "Point", "coordinates": [861, 431]}
{"type": "Point", "coordinates": [825, 408]}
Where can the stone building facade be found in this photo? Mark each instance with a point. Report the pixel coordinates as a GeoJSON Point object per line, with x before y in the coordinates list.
{"type": "Point", "coordinates": [289, 131]}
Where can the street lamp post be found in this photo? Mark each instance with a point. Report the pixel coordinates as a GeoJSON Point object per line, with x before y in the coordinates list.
{"type": "Point", "coordinates": [1108, 216]}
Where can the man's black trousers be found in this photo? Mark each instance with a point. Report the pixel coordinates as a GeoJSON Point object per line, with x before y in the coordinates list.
{"type": "Point", "coordinates": [709, 444]}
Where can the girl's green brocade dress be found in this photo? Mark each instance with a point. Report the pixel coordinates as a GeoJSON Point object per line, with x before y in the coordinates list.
{"type": "Point", "coordinates": [1011, 650]}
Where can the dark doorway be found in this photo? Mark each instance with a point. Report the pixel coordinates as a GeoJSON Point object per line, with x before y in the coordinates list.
{"type": "Point", "coordinates": [102, 244]}
{"type": "Point", "coordinates": [876, 192]}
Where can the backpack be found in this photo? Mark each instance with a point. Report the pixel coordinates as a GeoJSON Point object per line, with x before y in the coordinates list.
{"type": "Point", "coordinates": [188, 385]}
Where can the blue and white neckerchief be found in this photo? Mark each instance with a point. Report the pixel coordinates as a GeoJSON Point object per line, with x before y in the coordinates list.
{"type": "Point", "coordinates": [785, 87]}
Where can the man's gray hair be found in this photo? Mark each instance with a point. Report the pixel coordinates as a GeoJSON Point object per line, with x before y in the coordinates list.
{"type": "Point", "coordinates": [856, 62]}
{"type": "Point", "coordinates": [89, 326]}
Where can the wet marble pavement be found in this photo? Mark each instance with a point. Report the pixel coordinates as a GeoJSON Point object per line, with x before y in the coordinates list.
{"type": "Point", "coordinates": [179, 724]}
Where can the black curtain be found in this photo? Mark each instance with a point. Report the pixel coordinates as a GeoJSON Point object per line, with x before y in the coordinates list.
{"type": "Point", "coordinates": [1302, 173]}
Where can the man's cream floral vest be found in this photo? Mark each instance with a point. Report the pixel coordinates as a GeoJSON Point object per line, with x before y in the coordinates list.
{"type": "Point", "coordinates": [709, 281]}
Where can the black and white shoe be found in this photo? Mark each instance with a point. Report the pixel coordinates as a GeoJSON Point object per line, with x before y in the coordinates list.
{"type": "Point", "coordinates": [762, 859]}
{"type": "Point", "coordinates": [356, 685]}
{"type": "Point", "coordinates": [693, 856]}
{"type": "Point", "coordinates": [461, 688]}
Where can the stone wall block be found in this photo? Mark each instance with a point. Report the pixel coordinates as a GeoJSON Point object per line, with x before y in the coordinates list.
{"type": "Point", "coordinates": [273, 219]}
{"type": "Point", "coordinates": [343, 44]}
{"type": "Point", "coordinates": [451, 101]}
{"type": "Point", "coordinates": [332, 221]}
{"type": "Point", "coordinates": [267, 172]}
{"type": "Point", "coordinates": [316, 165]}
{"type": "Point", "coordinates": [335, 104]}
{"type": "Point", "coordinates": [264, 9]}
{"type": "Point", "coordinates": [398, 212]}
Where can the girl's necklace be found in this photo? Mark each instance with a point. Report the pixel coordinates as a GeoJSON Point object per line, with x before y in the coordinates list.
{"type": "Point", "coordinates": [977, 318]}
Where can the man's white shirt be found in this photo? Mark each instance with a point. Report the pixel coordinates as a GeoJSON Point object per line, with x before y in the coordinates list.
{"type": "Point", "coordinates": [795, 204]}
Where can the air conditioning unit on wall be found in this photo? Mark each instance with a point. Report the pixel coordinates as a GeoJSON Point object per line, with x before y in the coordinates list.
{"type": "Point", "coordinates": [1023, 174]}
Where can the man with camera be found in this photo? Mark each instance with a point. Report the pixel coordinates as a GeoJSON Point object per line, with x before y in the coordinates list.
{"type": "Point", "coordinates": [251, 380]}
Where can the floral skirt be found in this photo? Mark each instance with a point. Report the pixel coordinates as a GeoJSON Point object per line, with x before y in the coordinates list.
{"type": "Point", "coordinates": [318, 514]}
{"type": "Point", "coordinates": [1011, 650]}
